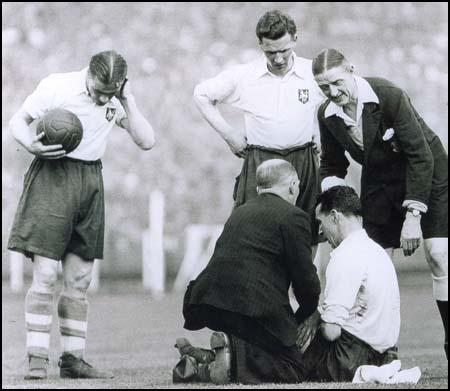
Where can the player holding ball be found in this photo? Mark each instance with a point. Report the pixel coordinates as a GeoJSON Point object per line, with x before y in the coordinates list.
{"type": "Point", "coordinates": [60, 216]}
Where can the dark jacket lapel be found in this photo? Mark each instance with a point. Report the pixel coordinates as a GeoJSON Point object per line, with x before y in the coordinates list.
{"type": "Point", "coordinates": [371, 123]}
{"type": "Point", "coordinates": [338, 128]}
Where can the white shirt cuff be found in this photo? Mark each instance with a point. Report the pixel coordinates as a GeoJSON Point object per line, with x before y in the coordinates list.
{"type": "Point", "coordinates": [420, 206]}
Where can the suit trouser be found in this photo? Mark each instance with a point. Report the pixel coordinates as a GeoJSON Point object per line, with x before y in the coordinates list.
{"type": "Point", "coordinates": [324, 361]}
{"type": "Point", "coordinates": [257, 356]}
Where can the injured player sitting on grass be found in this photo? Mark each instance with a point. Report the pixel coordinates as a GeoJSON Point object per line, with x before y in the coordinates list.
{"type": "Point", "coordinates": [352, 335]}
{"type": "Point", "coordinates": [359, 320]}
{"type": "Point", "coordinates": [355, 330]}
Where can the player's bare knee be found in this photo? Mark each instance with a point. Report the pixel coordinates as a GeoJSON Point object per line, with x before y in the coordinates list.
{"type": "Point", "coordinates": [438, 260]}
{"type": "Point", "coordinates": [44, 279]}
{"type": "Point", "coordinates": [78, 284]}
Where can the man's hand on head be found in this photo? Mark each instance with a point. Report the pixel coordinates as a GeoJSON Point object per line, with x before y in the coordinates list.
{"type": "Point", "coordinates": [124, 91]}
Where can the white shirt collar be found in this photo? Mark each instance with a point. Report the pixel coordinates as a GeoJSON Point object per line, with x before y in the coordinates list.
{"type": "Point", "coordinates": [365, 95]}
{"type": "Point", "coordinates": [358, 235]}
{"type": "Point", "coordinates": [298, 67]}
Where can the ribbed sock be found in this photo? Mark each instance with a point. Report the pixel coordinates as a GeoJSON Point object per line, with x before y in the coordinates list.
{"type": "Point", "coordinates": [38, 319]}
{"type": "Point", "coordinates": [73, 314]}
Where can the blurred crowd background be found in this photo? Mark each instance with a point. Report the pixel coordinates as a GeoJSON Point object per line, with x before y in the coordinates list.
{"type": "Point", "coordinates": [169, 48]}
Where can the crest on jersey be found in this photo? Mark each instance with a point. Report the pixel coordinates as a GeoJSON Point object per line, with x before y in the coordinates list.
{"type": "Point", "coordinates": [110, 112]}
{"type": "Point", "coordinates": [303, 96]}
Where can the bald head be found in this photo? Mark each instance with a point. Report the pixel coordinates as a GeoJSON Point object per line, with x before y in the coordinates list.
{"type": "Point", "coordinates": [279, 177]}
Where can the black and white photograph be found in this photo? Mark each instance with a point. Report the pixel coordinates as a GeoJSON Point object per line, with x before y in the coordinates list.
{"type": "Point", "coordinates": [201, 195]}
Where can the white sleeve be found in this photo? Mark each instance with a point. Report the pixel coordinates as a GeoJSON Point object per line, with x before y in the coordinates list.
{"type": "Point", "coordinates": [223, 88]}
{"type": "Point", "coordinates": [344, 280]}
{"type": "Point", "coordinates": [319, 96]}
{"type": "Point", "coordinates": [420, 206]}
{"type": "Point", "coordinates": [120, 113]}
{"type": "Point", "coordinates": [43, 99]}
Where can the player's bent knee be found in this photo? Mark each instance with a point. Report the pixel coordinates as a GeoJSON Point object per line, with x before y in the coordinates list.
{"type": "Point", "coordinates": [44, 280]}
{"type": "Point", "coordinates": [78, 285]}
{"type": "Point", "coordinates": [438, 261]}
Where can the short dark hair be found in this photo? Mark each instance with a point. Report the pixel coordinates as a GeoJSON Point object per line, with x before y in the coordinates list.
{"type": "Point", "coordinates": [274, 25]}
{"type": "Point", "coordinates": [328, 59]}
{"type": "Point", "coordinates": [109, 67]}
{"type": "Point", "coordinates": [341, 198]}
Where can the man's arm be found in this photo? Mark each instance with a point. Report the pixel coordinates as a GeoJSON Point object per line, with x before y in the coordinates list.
{"type": "Point", "coordinates": [305, 282]}
{"type": "Point", "coordinates": [333, 162]}
{"type": "Point", "coordinates": [419, 167]}
{"type": "Point", "coordinates": [20, 129]}
{"type": "Point", "coordinates": [308, 329]}
{"type": "Point", "coordinates": [135, 123]}
{"type": "Point", "coordinates": [222, 88]}
{"type": "Point", "coordinates": [344, 277]}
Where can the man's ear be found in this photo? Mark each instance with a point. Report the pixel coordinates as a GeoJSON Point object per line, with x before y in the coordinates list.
{"type": "Point", "coordinates": [292, 187]}
{"type": "Point", "coordinates": [334, 215]}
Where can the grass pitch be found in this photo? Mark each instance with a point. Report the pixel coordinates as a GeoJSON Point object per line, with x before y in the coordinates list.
{"type": "Point", "coordinates": [132, 334]}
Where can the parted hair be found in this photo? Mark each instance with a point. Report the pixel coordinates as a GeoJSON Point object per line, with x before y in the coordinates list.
{"type": "Point", "coordinates": [328, 59]}
{"type": "Point", "coordinates": [109, 67]}
{"type": "Point", "coordinates": [274, 25]}
{"type": "Point", "coordinates": [342, 199]}
{"type": "Point", "coordinates": [274, 172]}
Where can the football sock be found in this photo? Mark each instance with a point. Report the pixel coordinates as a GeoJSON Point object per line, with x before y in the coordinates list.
{"type": "Point", "coordinates": [440, 294]}
{"type": "Point", "coordinates": [73, 313]}
{"type": "Point", "coordinates": [38, 319]}
{"type": "Point", "coordinates": [443, 309]}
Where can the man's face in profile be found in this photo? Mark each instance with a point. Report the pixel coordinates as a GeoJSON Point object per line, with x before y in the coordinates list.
{"type": "Point", "coordinates": [328, 227]}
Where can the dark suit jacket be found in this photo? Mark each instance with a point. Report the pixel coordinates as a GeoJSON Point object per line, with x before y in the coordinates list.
{"type": "Point", "coordinates": [388, 177]}
{"type": "Point", "coordinates": [265, 246]}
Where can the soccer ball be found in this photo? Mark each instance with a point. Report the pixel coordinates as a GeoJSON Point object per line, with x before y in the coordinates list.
{"type": "Point", "coordinates": [61, 127]}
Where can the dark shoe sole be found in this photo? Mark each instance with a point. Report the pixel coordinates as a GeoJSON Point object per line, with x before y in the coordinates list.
{"type": "Point", "coordinates": [32, 377]}
{"type": "Point", "coordinates": [70, 375]}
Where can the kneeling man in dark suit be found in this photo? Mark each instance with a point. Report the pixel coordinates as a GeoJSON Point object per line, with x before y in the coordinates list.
{"type": "Point", "coordinates": [243, 292]}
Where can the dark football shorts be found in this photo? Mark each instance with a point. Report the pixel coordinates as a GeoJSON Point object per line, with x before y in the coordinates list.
{"type": "Point", "coordinates": [305, 160]}
{"type": "Point", "coordinates": [61, 210]}
{"type": "Point", "coordinates": [338, 361]}
{"type": "Point", "coordinates": [434, 223]}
